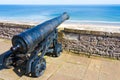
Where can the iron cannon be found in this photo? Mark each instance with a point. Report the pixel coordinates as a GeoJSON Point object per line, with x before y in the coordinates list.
{"type": "Point", "coordinates": [30, 46]}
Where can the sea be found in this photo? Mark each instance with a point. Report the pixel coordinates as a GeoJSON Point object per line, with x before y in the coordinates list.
{"type": "Point", "coordinates": [103, 14]}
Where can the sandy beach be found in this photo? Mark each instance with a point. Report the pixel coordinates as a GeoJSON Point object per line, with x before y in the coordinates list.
{"type": "Point", "coordinates": [93, 27]}
{"type": "Point", "coordinates": [75, 25]}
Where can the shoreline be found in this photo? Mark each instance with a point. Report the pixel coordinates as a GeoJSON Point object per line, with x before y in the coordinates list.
{"type": "Point", "coordinates": [71, 25]}
{"type": "Point", "coordinates": [78, 22]}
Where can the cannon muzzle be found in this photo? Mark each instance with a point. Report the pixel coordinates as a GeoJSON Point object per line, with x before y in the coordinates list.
{"type": "Point", "coordinates": [15, 48]}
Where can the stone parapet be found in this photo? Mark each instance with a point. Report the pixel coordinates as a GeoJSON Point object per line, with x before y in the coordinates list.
{"type": "Point", "coordinates": [8, 30]}
{"type": "Point", "coordinates": [90, 32]}
{"type": "Point", "coordinates": [92, 42]}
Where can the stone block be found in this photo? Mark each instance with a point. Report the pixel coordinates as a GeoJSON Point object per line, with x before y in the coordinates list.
{"type": "Point", "coordinates": [98, 33]}
{"type": "Point", "coordinates": [99, 38]}
{"type": "Point", "coordinates": [78, 31]}
{"type": "Point", "coordinates": [93, 43]}
{"type": "Point", "coordinates": [101, 43]}
{"type": "Point", "coordinates": [71, 36]}
{"type": "Point", "coordinates": [84, 38]}
{"type": "Point", "coordinates": [115, 34]}
{"type": "Point", "coordinates": [108, 34]}
{"type": "Point", "coordinates": [93, 38]}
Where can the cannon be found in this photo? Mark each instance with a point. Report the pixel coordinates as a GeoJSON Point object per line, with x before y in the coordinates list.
{"type": "Point", "coordinates": [30, 46]}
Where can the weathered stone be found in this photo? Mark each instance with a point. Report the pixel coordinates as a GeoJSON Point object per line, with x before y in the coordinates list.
{"type": "Point", "coordinates": [93, 42]}
{"type": "Point", "coordinates": [101, 43]}
{"type": "Point", "coordinates": [77, 31]}
{"type": "Point", "coordinates": [8, 30]}
{"type": "Point", "coordinates": [99, 38]}
{"type": "Point", "coordinates": [85, 43]}
{"type": "Point", "coordinates": [98, 33]}
{"type": "Point", "coordinates": [103, 46]}
{"type": "Point", "coordinates": [116, 50]}
{"type": "Point", "coordinates": [108, 34]}
{"type": "Point", "coordinates": [115, 34]}
{"type": "Point", "coordinates": [117, 55]}
{"type": "Point", "coordinates": [84, 38]}
{"type": "Point", "coordinates": [71, 36]}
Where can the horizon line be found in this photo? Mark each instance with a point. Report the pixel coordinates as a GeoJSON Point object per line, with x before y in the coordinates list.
{"type": "Point", "coordinates": [59, 4]}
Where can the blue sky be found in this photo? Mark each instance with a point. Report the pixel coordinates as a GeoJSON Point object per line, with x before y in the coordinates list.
{"type": "Point", "coordinates": [60, 2]}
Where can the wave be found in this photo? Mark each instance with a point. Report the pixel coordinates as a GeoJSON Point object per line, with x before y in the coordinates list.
{"type": "Point", "coordinates": [94, 22]}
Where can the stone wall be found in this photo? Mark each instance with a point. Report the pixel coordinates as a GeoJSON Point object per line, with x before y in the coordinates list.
{"type": "Point", "coordinates": [7, 30]}
{"type": "Point", "coordinates": [79, 41]}
{"type": "Point", "coordinates": [92, 42]}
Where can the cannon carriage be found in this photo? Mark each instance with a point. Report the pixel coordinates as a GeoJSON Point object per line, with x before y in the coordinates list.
{"type": "Point", "coordinates": [30, 46]}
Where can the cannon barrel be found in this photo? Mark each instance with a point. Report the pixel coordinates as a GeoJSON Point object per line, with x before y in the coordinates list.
{"type": "Point", "coordinates": [29, 39]}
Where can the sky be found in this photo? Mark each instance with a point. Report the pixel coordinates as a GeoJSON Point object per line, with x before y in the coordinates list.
{"type": "Point", "coordinates": [61, 2]}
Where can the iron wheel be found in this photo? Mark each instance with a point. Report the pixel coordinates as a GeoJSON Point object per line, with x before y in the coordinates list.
{"type": "Point", "coordinates": [38, 67]}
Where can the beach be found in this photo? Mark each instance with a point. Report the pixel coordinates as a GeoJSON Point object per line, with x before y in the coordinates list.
{"type": "Point", "coordinates": [93, 27]}
{"type": "Point", "coordinates": [75, 25]}
{"type": "Point", "coordinates": [84, 17]}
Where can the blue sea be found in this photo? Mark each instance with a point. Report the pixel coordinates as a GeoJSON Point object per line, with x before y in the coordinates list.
{"type": "Point", "coordinates": [78, 13]}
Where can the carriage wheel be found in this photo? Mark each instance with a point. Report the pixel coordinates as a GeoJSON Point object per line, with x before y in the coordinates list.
{"type": "Point", "coordinates": [38, 67]}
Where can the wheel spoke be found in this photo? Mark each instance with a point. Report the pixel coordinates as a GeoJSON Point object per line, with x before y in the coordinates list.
{"type": "Point", "coordinates": [39, 67]}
